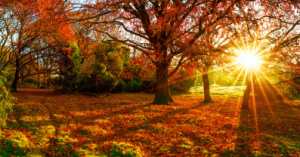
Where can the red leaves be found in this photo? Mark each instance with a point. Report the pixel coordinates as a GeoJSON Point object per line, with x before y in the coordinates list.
{"type": "Point", "coordinates": [139, 67]}
{"type": "Point", "coordinates": [185, 128]}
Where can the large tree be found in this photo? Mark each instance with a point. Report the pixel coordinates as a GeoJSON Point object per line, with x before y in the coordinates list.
{"type": "Point", "coordinates": [162, 30]}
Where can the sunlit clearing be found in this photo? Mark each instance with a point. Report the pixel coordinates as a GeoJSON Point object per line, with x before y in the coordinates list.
{"type": "Point", "coordinates": [248, 60]}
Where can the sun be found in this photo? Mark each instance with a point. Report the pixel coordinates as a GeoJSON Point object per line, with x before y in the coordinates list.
{"type": "Point", "coordinates": [248, 60]}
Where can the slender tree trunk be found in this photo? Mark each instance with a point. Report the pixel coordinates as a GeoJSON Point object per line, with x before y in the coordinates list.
{"type": "Point", "coordinates": [22, 73]}
{"type": "Point", "coordinates": [207, 97]}
{"type": "Point", "coordinates": [96, 84]}
{"type": "Point", "coordinates": [50, 70]}
{"type": "Point", "coordinates": [44, 79]}
{"type": "Point", "coordinates": [38, 67]}
{"type": "Point", "coordinates": [38, 80]}
{"type": "Point", "coordinates": [16, 79]}
{"type": "Point", "coordinates": [162, 95]}
{"type": "Point", "coordinates": [49, 83]}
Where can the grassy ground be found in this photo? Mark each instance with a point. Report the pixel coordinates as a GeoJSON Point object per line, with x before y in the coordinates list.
{"type": "Point", "coordinates": [46, 123]}
{"type": "Point", "coordinates": [222, 91]}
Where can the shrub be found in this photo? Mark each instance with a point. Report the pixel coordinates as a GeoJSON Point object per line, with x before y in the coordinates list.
{"type": "Point", "coordinates": [69, 64]}
{"type": "Point", "coordinates": [5, 100]}
{"type": "Point", "coordinates": [32, 81]}
{"type": "Point", "coordinates": [14, 144]}
{"type": "Point", "coordinates": [61, 146]}
{"type": "Point", "coordinates": [123, 149]}
{"type": "Point", "coordinates": [86, 84]}
{"type": "Point", "coordinates": [108, 65]}
{"type": "Point", "coordinates": [181, 84]}
{"type": "Point", "coordinates": [120, 87]}
{"type": "Point", "coordinates": [58, 82]}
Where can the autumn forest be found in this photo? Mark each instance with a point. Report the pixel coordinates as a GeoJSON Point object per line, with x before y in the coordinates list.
{"type": "Point", "coordinates": [134, 78]}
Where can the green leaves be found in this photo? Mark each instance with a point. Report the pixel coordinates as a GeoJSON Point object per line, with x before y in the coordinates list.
{"type": "Point", "coordinates": [108, 66]}
{"type": "Point", "coordinates": [5, 100]}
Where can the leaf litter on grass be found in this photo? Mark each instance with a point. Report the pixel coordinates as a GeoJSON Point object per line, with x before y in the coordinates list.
{"type": "Point", "coordinates": [105, 127]}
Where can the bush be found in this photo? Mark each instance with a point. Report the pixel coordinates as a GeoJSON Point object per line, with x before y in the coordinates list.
{"type": "Point", "coordinates": [61, 146]}
{"type": "Point", "coordinates": [120, 87]}
{"type": "Point", "coordinates": [123, 149]}
{"type": "Point", "coordinates": [32, 81]}
{"type": "Point", "coordinates": [69, 64]}
{"type": "Point", "coordinates": [58, 82]}
{"type": "Point", "coordinates": [14, 144]}
{"type": "Point", "coordinates": [181, 84]}
{"type": "Point", "coordinates": [5, 100]}
{"type": "Point", "coordinates": [133, 85]}
{"type": "Point", "coordinates": [108, 65]}
{"type": "Point", "coordinates": [86, 84]}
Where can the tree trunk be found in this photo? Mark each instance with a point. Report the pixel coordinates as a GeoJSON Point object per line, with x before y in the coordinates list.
{"type": "Point", "coordinates": [207, 97]}
{"type": "Point", "coordinates": [38, 69]}
{"type": "Point", "coordinates": [16, 79]}
{"type": "Point", "coordinates": [44, 79]}
{"type": "Point", "coordinates": [22, 73]}
{"type": "Point", "coordinates": [245, 104]}
{"type": "Point", "coordinates": [38, 80]}
{"type": "Point", "coordinates": [96, 84]}
{"type": "Point", "coordinates": [162, 95]}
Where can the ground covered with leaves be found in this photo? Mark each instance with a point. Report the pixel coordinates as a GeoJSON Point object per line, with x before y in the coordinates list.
{"type": "Point", "coordinates": [48, 123]}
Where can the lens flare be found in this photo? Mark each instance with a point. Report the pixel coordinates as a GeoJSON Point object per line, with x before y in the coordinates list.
{"type": "Point", "coordinates": [248, 60]}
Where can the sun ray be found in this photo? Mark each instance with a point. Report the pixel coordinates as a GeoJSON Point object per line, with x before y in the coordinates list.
{"type": "Point", "coordinates": [283, 97]}
{"type": "Point", "coordinates": [234, 83]}
{"type": "Point", "coordinates": [265, 95]}
{"type": "Point", "coordinates": [254, 103]}
{"type": "Point", "coordinates": [231, 72]}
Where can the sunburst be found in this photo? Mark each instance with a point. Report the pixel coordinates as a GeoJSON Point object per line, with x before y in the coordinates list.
{"type": "Point", "coordinates": [248, 59]}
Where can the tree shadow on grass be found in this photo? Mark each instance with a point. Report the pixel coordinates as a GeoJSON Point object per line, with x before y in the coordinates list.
{"type": "Point", "coordinates": [157, 119]}
{"type": "Point", "coordinates": [38, 92]}
{"type": "Point", "coordinates": [268, 126]}
{"type": "Point", "coordinates": [120, 129]}
{"type": "Point", "coordinates": [243, 141]}
{"type": "Point", "coordinates": [88, 119]}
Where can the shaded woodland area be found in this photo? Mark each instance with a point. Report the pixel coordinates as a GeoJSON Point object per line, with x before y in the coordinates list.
{"type": "Point", "coordinates": [123, 78]}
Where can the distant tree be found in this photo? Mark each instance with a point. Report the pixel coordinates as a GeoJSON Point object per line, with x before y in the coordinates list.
{"type": "Point", "coordinates": [69, 66]}
{"type": "Point", "coordinates": [208, 53]}
{"type": "Point", "coordinates": [30, 21]}
{"type": "Point", "coordinates": [6, 52]}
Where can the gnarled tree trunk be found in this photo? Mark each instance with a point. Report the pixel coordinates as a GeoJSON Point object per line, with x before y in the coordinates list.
{"type": "Point", "coordinates": [162, 95]}
{"type": "Point", "coordinates": [207, 97]}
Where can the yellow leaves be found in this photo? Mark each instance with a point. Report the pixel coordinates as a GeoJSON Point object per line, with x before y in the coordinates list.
{"type": "Point", "coordinates": [18, 138]}
{"type": "Point", "coordinates": [95, 130]}
{"type": "Point", "coordinates": [34, 118]}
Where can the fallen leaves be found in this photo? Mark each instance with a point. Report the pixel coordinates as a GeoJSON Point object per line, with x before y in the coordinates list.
{"type": "Point", "coordinates": [188, 127]}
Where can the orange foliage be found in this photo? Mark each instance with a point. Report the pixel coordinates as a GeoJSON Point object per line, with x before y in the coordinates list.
{"type": "Point", "coordinates": [139, 68]}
